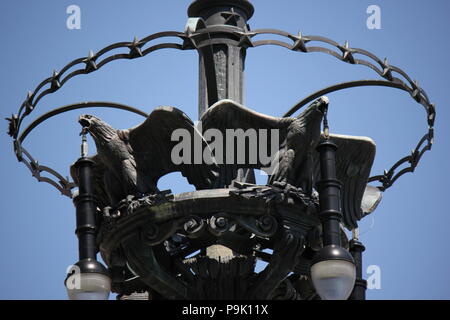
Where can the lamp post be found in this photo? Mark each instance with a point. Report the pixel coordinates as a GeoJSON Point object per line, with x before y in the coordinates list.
{"type": "Point", "coordinates": [333, 268]}
{"type": "Point", "coordinates": [249, 220]}
{"type": "Point", "coordinates": [222, 54]}
{"type": "Point", "coordinates": [356, 250]}
{"type": "Point", "coordinates": [88, 279]}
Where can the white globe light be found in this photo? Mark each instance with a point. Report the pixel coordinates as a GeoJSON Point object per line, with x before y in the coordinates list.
{"type": "Point", "coordinates": [333, 279]}
{"type": "Point", "coordinates": [88, 286]}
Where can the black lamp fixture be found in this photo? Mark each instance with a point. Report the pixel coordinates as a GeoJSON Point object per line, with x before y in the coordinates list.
{"type": "Point", "coordinates": [333, 269]}
{"type": "Point", "coordinates": [88, 279]}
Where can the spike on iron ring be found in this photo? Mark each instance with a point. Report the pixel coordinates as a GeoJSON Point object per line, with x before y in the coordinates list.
{"type": "Point", "coordinates": [29, 107]}
{"type": "Point", "coordinates": [135, 49]}
{"type": "Point", "coordinates": [245, 41]}
{"type": "Point", "coordinates": [347, 53]}
{"type": "Point", "coordinates": [416, 91]}
{"type": "Point", "coordinates": [13, 125]}
{"type": "Point", "coordinates": [299, 43]}
{"type": "Point", "coordinates": [188, 42]}
{"type": "Point", "coordinates": [90, 62]}
{"type": "Point", "coordinates": [387, 73]}
{"type": "Point", "coordinates": [55, 84]}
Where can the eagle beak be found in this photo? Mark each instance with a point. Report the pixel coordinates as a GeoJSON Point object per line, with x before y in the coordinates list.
{"type": "Point", "coordinates": [323, 103]}
{"type": "Point", "coordinates": [84, 120]}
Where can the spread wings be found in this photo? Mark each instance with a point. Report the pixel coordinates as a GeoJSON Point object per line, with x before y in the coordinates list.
{"type": "Point", "coordinates": [251, 147]}
{"type": "Point", "coordinates": [156, 154]}
{"type": "Point", "coordinates": [227, 114]}
{"type": "Point", "coordinates": [150, 146]}
{"type": "Point", "coordinates": [354, 159]}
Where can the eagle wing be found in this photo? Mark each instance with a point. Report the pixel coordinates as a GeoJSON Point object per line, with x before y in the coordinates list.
{"type": "Point", "coordinates": [354, 159]}
{"type": "Point", "coordinates": [227, 114]}
{"type": "Point", "coordinates": [151, 145]}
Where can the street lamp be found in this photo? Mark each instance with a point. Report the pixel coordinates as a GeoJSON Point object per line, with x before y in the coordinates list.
{"type": "Point", "coordinates": [149, 237]}
{"type": "Point", "coordinates": [88, 279]}
{"type": "Point", "coordinates": [333, 273]}
{"type": "Point", "coordinates": [333, 269]}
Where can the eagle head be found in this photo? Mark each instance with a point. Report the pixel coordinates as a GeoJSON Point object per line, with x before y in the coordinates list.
{"type": "Point", "coordinates": [317, 109]}
{"type": "Point", "coordinates": [100, 130]}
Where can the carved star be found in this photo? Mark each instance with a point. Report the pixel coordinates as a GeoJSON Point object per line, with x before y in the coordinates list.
{"type": "Point", "coordinates": [245, 41]}
{"type": "Point", "coordinates": [188, 42]}
{"type": "Point", "coordinates": [90, 62]}
{"type": "Point", "coordinates": [299, 44]}
{"type": "Point", "coordinates": [231, 17]}
{"type": "Point", "coordinates": [135, 48]}
{"type": "Point", "coordinates": [387, 70]}
{"type": "Point", "coordinates": [55, 85]}
{"type": "Point", "coordinates": [28, 105]}
{"type": "Point", "coordinates": [347, 53]}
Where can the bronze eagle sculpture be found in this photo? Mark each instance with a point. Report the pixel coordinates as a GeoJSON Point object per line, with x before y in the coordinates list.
{"type": "Point", "coordinates": [297, 161]}
{"type": "Point", "coordinates": [131, 161]}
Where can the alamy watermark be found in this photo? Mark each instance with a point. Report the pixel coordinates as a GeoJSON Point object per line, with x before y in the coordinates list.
{"type": "Point", "coordinates": [374, 20]}
{"type": "Point", "coordinates": [240, 147]}
{"type": "Point", "coordinates": [73, 21]}
{"type": "Point", "coordinates": [374, 277]}
{"type": "Point", "coordinates": [74, 281]}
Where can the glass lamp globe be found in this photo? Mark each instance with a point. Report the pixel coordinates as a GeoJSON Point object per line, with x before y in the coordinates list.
{"type": "Point", "coordinates": [88, 280]}
{"type": "Point", "coordinates": [333, 273]}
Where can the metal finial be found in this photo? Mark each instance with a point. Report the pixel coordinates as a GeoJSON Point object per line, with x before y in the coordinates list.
{"type": "Point", "coordinates": [84, 144]}
{"type": "Point", "coordinates": [326, 128]}
{"type": "Point", "coordinates": [355, 234]}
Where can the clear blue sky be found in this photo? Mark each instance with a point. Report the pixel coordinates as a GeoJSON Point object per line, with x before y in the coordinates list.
{"type": "Point", "coordinates": [408, 234]}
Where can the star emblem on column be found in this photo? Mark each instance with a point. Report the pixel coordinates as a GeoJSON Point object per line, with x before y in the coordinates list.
{"type": "Point", "coordinates": [231, 17]}
{"type": "Point", "coordinates": [245, 41]}
{"type": "Point", "coordinates": [188, 41]}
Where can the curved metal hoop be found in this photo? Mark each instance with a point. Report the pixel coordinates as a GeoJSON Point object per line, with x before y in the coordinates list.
{"type": "Point", "coordinates": [381, 67]}
{"type": "Point", "coordinates": [299, 43]}
{"type": "Point", "coordinates": [338, 87]}
{"type": "Point", "coordinates": [93, 62]}
{"type": "Point", "coordinates": [76, 106]}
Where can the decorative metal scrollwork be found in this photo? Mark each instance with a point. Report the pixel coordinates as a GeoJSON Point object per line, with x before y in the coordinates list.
{"type": "Point", "coordinates": [393, 77]}
{"type": "Point", "coordinates": [153, 234]}
{"type": "Point", "coordinates": [220, 224]}
{"type": "Point", "coordinates": [93, 62]}
{"type": "Point", "coordinates": [150, 233]}
{"type": "Point", "coordinates": [267, 224]}
{"type": "Point", "coordinates": [194, 227]}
